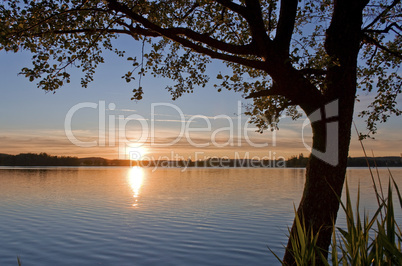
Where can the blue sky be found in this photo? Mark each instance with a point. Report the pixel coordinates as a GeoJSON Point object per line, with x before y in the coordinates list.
{"type": "Point", "coordinates": [33, 121]}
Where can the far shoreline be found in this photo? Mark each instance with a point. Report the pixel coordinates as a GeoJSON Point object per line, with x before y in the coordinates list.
{"type": "Point", "coordinates": [46, 160]}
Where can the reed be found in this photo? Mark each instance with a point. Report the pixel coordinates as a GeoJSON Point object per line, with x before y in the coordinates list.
{"type": "Point", "coordinates": [369, 241]}
{"type": "Point", "coordinates": [375, 240]}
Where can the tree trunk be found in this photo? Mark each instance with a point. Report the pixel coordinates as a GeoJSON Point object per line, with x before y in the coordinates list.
{"type": "Point", "coordinates": [324, 181]}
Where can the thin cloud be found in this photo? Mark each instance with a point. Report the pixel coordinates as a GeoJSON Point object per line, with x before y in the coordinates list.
{"type": "Point", "coordinates": [122, 110]}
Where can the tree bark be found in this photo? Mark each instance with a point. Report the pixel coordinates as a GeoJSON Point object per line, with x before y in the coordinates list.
{"type": "Point", "coordinates": [324, 181]}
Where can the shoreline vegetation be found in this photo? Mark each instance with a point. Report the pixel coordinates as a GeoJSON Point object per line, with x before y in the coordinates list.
{"type": "Point", "coordinates": [44, 159]}
{"type": "Point", "coordinates": [366, 239]}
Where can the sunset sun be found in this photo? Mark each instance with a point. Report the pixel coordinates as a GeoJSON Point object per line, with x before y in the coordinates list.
{"type": "Point", "coordinates": [158, 139]}
{"type": "Point", "coordinates": [136, 153]}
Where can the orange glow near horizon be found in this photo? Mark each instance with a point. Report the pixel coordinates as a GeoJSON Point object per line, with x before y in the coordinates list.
{"type": "Point", "coordinates": [136, 153]}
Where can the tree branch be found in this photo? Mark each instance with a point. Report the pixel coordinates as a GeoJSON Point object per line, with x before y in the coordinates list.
{"type": "Point", "coordinates": [213, 54]}
{"type": "Point", "coordinates": [88, 48]}
{"type": "Point", "coordinates": [170, 32]}
{"type": "Point", "coordinates": [137, 30]}
{"type": "Point", "coordinates": [205, 39]}
{"type": "Point", "coordinates": [175, 35]}
{"type": "Point", "coordinates": [269, 92]}
{"type": "Point", "coordinates": [286, 22]}
{"type": "Point", "coordinates": [58, 14]}
{"type": "Point", "coordinates": [119, 31]}
{"type": "Point", "coordinates": [386, 30]}
{"type": "Point", "coordinates": [313, 71]}
{"type": "Point", "coordinates": [252, 14]}
{"type": "Point", "coordinates": [239, 9]}
{"type": "Point", "coordinates": [382, 14]}
{"type": "Point", "coordinates": [257, 28]}
{"type": "Point", "coordinates": [196, 4]}
{"type": "Point", "coordinates": [270, 9]}
{"type": "Point", "coordinates": [371, 40]}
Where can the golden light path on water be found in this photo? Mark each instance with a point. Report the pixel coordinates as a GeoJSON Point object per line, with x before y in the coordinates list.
{"type": "Point", "coordinates": [136, 179]}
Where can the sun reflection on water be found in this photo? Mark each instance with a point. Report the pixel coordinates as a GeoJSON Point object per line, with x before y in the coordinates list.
{"type": "Point", "coordinates": [135, 179]}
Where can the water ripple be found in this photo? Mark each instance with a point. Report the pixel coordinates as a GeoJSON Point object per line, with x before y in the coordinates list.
{"type": "Point", "coordinates": [105, 216]}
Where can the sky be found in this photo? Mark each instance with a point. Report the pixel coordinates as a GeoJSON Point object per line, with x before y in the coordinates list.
{"type": "Point", "coordinates": [102, 121]}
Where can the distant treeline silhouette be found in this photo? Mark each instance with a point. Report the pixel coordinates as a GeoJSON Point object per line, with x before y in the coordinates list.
{"type": "Point", "coordinates": [44, 159]}
{"type": "Point", "coordinates": [41, 159]}
{"type": "Point", "coordinates": [388, 161]}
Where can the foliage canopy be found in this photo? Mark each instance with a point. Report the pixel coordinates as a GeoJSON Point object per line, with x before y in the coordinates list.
{"type": "Point", "coordinates": [262, 42]}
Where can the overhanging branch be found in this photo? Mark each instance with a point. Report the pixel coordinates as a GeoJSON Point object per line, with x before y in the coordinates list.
{"type": "Point", "coordinates": [386, 29]}
{"type": "Point", "coordinates": [205, 39]}
{"type": "Point", "coordinates": [176, 34]}
{"type": "Point", "coordinates": [45, 20]}
{"type": "Point", "coordinates": [373, 41]}
{"type": "Point", "coordinates": [75, 31]}
{"type": "Point", "coordinates": [382, 14]}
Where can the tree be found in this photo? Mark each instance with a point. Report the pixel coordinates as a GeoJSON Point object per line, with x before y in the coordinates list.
{"type": "Point", "coordinates": [284, 54]}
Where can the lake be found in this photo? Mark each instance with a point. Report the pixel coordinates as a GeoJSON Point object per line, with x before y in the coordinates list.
{"type": "Point", "coordinates": [136, 216]}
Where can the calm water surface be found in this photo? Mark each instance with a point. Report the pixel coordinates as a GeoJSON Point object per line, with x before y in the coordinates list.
{"type": "Point", "coordinates": [123, 216]}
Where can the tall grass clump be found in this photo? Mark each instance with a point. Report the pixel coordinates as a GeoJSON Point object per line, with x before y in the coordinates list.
{"type": "Point", "coordinates": [369, 241]}
{"type": "Point", "coordinates": [364, 241]}
{"type": "Point", "coordinates": [375, 240]}
{"type": "Point", "coordinates": [304, 244]}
